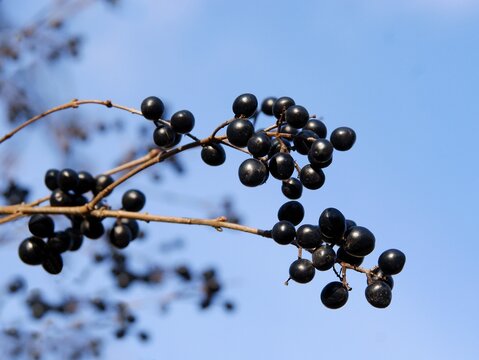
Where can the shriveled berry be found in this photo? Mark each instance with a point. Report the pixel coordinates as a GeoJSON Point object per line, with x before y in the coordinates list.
{"type": "Point", "coordinates": [302, 271]}
{"type": "Point", "coordinates": [41, 225]}
{"type": "Point", "coordinates": [245, 105]}
{"type": "Point", "coordinates": [334, 295]}
{"type": "Point", "coordinates": [133, 200]}
{"type": "Point", "coordinates": [182, 121]}
{"type": "Point", "coordinates": [213, 154]}
{"type": "Point", "coordinates": [291, 211]}
{"type": "Point", "coordinates": [152, 108]}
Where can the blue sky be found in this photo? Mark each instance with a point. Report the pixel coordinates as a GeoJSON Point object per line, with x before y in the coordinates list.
{"type": "Point", "coordinates": [404, 76]}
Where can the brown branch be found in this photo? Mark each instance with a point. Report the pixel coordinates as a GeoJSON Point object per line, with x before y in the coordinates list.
{"type": "Point", "coordinates": [12, 217]}
{"type": "Point", "coordinates": [70, 105]}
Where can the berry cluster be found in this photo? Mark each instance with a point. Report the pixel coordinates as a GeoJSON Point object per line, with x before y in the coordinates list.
{"type": "Point", "coordinates": [69, 188]}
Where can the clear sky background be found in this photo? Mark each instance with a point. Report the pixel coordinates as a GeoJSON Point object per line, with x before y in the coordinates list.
{"type": "Point", "coordinates": [403, 74]}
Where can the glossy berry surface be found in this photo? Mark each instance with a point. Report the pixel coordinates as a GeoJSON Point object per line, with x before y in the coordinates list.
{"type": "Point", "coordinates": [60, 198]}
{"type": "Point", "coordinates": [267, 105]}
{"type": "Point", "coordinates": [32, 250]}
{"type": "Point", "coordinates": [392, 261]}
{"type": "Point", "coordinates": [281, 166]}
{"type": "Point", "coordinates": [76, 238]}
{"type": "Point", "coordinates": [343, 138]}
{"type": "Point", "coordinates": [245, 105]}
{"type": "Point", "coordinates": [133, 200]}
{"type": "Point", "coordinates": [152, 108]}
{"type": "Point", "coordinates": [86, 182]}
{"type": "Point", "coordinates": [378, 275]}
{"type": "Point", "coordinates": [303, 141]}
{"type": "Point", "coordinates": [316, 126]}
{"type": "Point", "coordinates": [277, 146]}
{"type": "Point", "coordinates": [51, 179]}
{"type": "Point", "coordinates": [302, 271]}
{"type": "Point", "coordinates": [291, 211]}
{"type": "Point", "coordinates": [213, 154]}
{"type": "Point", "coordinates": [239, 131]}
{"type": "Point", "coordinates": [41, 225]}
{"type": "Point", "coordinates": [182, 121]}
{"type": "Point", "coordinates": [67, 179]}
{"type": "Point", "coordinates": [283, 232]}
{"type": "Point", "coordinates": [252, 172]}
{"type": "Point", "coordinates": [133, 226]}
{"type": "Point", "coordinates": [259, 144]}
{"type": "Point", "coordinates": [120, 236]}
{"type": "Point", "coordinates": [311, 178]}
{"type": "Point", "coordinates": [281, 105]}
{"type": "Point", "coordinates": [292, 188]}
{"type": "Point", "coordinates": [164, 136]}
{"type": "Point", "coordinates": [359, 242]}
{"type": "Point", "coordinates": [297, 116]}
{"type": "Point", "coordinates": [324, 258]}
{"type": "Point", "coordinates": [308, 236]}
{"type": "Point", "coordinates": [320, 152]}
{"type": "Point", "coordinates": [378, 294]}
{"type": "Point", "coordinates": [332, 224]}
{"type": "Point", "coordinates": [101, 182]}
{"type": "Point", "coordinates": [334, 295]}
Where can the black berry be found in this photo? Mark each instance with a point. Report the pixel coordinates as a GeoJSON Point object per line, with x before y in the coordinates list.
{"type": "Point", "coordinates": [392, 261]}
{"type": "Point", "coordinates": [152, 108]}
{"type": "Point", "coordinates": [316, 126]}
{"type": "Point", "coordinates": [302, 271]}
{"type": "Point", "coordinates": [267, 105]}
{"type": "Point", "coordinates": [343, 138]}
{"type": "Point", "coordinates": [182, 121]}
{"type": "Point", "coordinates": [379, 294]}
{"type": "Point", "coordinates": [359, 242]}
{"type": "Point", "coordinates": [283, 232]}
{"type": "Point", "coordinates": [252, 172]}
{"type": "Point", "coordinates": [259, 144]}
{"type": "Point", "coordinates": [291, 211]}
{"type": "Point", "coordinates": [133, 200]}
{"type": "Point", "coordinates": [281, 105]}
{"type": "Point", "coordinates": [311, 178]}
{"type": "Point", "coordinates": [324, 258]}
{"type": "Point", "coordinates": [41, 225]}
{"type": "Point", "coordinates": [334, 295]}
{"type": "Point", "coordinates": [281, 166]}
{"type": "Point", "coordinates": [239, 131]}
{"type": "Point", "coordinates": [213, 154]}
{"type": "Point", "coordinates": [308, 236]}
{"type": "Point", "coordinates": [292, 188]}
{"type": "Point", "coordinates": [245, 105]}
{"type": "Point", "coordinates": [296, 116]}
{"type": "Point", "coordinates": [32, 250]}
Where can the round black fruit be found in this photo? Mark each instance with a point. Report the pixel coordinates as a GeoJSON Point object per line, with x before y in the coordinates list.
{"type": "Point", "coordinates": [302, 271]}
{"type": "Point", "coordinates": [51, 179]}
{"type": "Point", "coordinates": [332, 224]}
{"type": "Point", "coordinates": [182, 121]}
{"type": "Point", "coordinates": [303, 141]}
{"type": "Point", "coordinates": [152, 108]}
{"type": "Point", "coordinates": [133, 200]}
{"type": "Point", "coordinates": [53, 262]}
{"type": "Point", "coordinates": [259, 144]}
{"type": "Point", "coordinates": [239, 131]}
{"type": "Point", "coordinates": [324, 258]}
{"type": "Point", "coordinates": [120, 236]}
{"type": "Point", "coordinates": [92, 228]}
{"type": "Point", "coordinates": [291, 211]}
{"type": "Point", "coordinates": [320, 152]}
{"type": "Point", "coordinates": [292, 188]}
{"type": "Point", "coordinates": [164, 136]}
{"type": "Point", "coordinates": [41, 225]}
{"type": "Point", "coordinates": [317, 126]}
{"type": "Point", "coordinates": [245, 105]}
{"type": "Point", "coordinates": [213, 154]}
{"type": "Point", "coordinates": [296, 116]}
{"type": "Point", "coordinates": [308, 236]}
{"type": "Point", "coordinates": [267, 105]}
{"type": "Point", "coordinates": [86, 182]}
{"type": "Point", "coordinates": [392, 261]}
{"type": "Point", "coordinates": [311, 178]}
{"type": "Point", "coordinates": [67, 179]}
{"type": "Point", "coordinates": [32, 250]}
{"type": "Point", "coordinates": [343, 256]}
{"type": "Point", "coordinates": [281, 105]}
{"type": "Point", "coordinates": [59, 242]}
{"type": "Point", "coordinates": [378, 275]}
{"type": "Point", "coordinates": [60, 198]}
{"type": "Point", "coordinates": [343, 138]}
{"type": "Point", "coordinates": [281, 166]}
{"type": "Point", "coordinates": [359, 242]}
{"type": "Point", "coordinates": [252, 172]}
{"type": "Point", "coordinates": [101, 182]}
{"type": "Point", "coordinates": [283, 232]}
{"type": "Point", "coordinates": [334, 295]}
{"type": "Point", "coordinates": [379, 294]}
